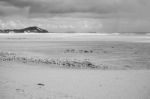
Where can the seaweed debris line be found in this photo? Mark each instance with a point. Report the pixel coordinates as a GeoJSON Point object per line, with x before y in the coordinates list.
{"type": "Point", "coordinates": [10, 56]}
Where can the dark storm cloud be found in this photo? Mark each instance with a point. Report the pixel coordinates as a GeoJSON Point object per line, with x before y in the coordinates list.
{"type": "Point", "coordinates": [81, 6]}
{"type": "Point", "coordinates": [8, 9]}
{"type": "Point", "coordinates": [64, 6]}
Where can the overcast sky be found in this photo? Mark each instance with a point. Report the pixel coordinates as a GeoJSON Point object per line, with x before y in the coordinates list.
{"type": "Point", "coordinates": [107, 15]}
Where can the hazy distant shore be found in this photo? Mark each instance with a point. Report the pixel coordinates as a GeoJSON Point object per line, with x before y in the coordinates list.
{"type": "Point", "coordinates": [130, 34]}
{"type": "Point", "coordinates": [75, 37]}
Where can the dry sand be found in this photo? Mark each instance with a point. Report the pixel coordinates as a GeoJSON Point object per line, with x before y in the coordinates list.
{"type": "Point", "coordinates": [127, 75]}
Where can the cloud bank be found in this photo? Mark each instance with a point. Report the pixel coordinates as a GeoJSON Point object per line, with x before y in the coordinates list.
{"type": "Point", "coordinates": [109, 15]}
{"type": "Point", "coordinates": [52, 7]}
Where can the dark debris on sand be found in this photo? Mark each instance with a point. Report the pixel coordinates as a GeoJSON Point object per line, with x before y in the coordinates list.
{"type": "Point", "coordinates": [8, 56]}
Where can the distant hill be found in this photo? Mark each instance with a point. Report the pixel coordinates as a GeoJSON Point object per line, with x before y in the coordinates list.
{"type": "Point", "coordinates": [33, 29]}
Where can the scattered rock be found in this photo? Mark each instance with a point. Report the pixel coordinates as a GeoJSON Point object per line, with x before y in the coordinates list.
{"type": "Point", "coordinates": [62, 63]}
{"type": "Point", "coordinates": [78, 51]}
{"type": "Point", "coordinates": [19, 90]}
{"type": "Point", "coordinates": [40, 84]}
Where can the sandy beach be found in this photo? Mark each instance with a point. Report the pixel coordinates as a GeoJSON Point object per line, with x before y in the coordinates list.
{"type": "Point", "coordinates": [74, 66]}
